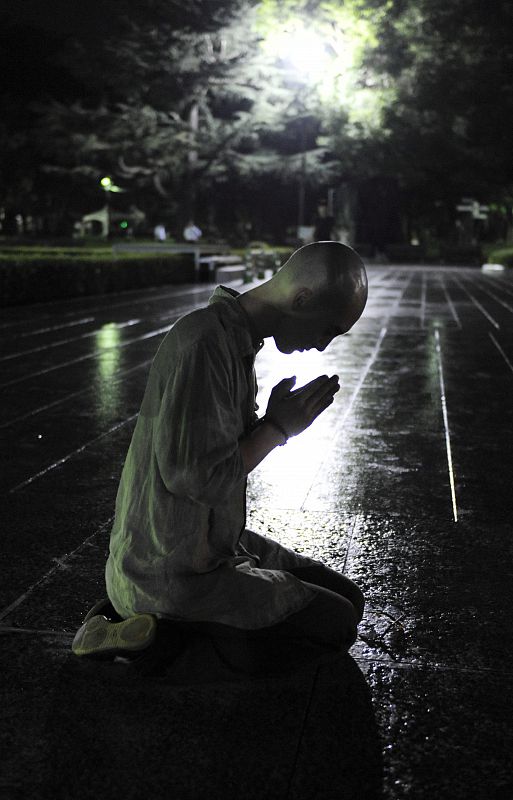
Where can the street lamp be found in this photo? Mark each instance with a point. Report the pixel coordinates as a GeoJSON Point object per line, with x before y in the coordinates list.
{"type": "Point", "coordinates": [108, 186]}
{"type": "Point", "coordinates": [303, 49]}
{"type": "Point", "coordinates": [308, 56]}
{"type": "Point", "coordinates": [322, 55]}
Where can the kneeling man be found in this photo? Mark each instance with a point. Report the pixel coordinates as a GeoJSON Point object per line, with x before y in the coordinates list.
{"type": "Point", "coordinates": [179, 548]}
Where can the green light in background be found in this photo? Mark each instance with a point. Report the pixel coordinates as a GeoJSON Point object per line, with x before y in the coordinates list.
{"type": "Point", "coordinates": [108, 186]}
{"type": "Point", "coordinates": [123, 224]}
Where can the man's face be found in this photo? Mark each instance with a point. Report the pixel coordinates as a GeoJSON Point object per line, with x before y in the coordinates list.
{"type": "Point", "coordinates": [307, 331]}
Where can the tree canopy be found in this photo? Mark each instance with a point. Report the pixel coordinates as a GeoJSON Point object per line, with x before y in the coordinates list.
{"type": "Point", "coordinates": [228, 98]}
{"type": "Point", "coordinates": [445, 133]}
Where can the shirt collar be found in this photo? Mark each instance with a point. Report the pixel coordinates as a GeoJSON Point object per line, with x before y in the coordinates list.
{"type": "Point", "coordinates": [247, 338]}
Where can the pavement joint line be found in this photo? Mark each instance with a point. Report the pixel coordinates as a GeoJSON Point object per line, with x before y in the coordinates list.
{"type": "Point", "coordinates": [378, 282]}
{"type": "Point", "coordinates": [423, 301]}
{"type": "Point", "coordinates": [400, 331]}
{"type": "Point", "coordinates": [302, 732]}
{"type": "Point", "coordinates": [118, 325]}
{"type": "Point", "coordinates": [505, 283]}
{"type": "Point", "coordinates": [65, 458]}
{"type": "Point", "coordinates": [449, 302]}
{"type": "Point", "coordinates": [95, 354]}
{"type": "Point", "coordinates": [478, 304]}
{"type": "Point", "coordinates": [176, 312]}
{"type": "Point", "coordinates": [52, 328]}
{"type": "Point", "coordinates": [35, 631]}
{"type": "Point", "coordinates": [61, 563]}
{"type": "Point", "coordinates": [61, 342]}
{"type": "Point", "coordinates": [58, 566]}
{"type": "Point", "coordinates": [146, 299]}
{"type": "Point", "coordinates": [438, 350]}
{"type": "Point", "coordinates": [82, 391]}
{"type": "Point", "coordinates": [358, 517]}
{"type": "Point", "coordinates": [149, 335]}
{"type": "Point", "coordinates": [501, 351]}
{"type": "Point", "coordinates": [508, 306]}
{"type": "Point", "coordinates": [115, 379]}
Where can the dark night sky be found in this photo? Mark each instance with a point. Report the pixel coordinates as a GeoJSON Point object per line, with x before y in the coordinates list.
{"type": "Point", "coordinates": [33, 35]}
{"type": "Point", "coordinates": [65, 17]}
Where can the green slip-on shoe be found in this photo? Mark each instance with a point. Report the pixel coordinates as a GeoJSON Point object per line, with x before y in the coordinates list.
{"type": "Point", "coordinates": [98, 637]}
{"type": "Point", "coordinates": [105, 608]}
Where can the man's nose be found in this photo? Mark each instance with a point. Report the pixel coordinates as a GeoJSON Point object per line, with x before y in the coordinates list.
{"type": "Point", "coordinates": [323, 343]}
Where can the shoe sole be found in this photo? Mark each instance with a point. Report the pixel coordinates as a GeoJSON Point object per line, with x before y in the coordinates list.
{"type": "Point", "coordinates": [99, 637]}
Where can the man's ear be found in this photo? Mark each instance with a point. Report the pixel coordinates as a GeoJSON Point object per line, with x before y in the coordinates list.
{"type": "Point", "coordinates": [301, 299]}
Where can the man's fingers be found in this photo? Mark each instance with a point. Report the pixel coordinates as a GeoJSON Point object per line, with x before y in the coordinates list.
{"type": "Point", "coordinates": [322, 406]}
{"type": "Point", "coordinates": [317, 386]}
{"type": "Point", "coordinates": [296, 410]}
{"type": "Point", "coordinates": [322, 391]}
{"type": "Point", "coordinates": [284, 386]}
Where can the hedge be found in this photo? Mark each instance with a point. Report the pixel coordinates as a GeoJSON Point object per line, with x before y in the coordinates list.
{"type": "Point", "coordinates": [36, 277]}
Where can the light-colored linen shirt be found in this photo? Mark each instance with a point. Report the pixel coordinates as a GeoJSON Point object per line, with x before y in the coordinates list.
{"type": "Point", "coordinates": [177, 544]}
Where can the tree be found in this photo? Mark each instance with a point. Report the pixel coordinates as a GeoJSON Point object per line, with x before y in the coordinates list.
{"type": "Point", "coordinates": [186, 104]}
{"type": "Point", "coordinates": [28, 68]}
{"type": "Point", "coordinates": [180, 106]}
{"type": "Point", "coordinates": [446, 128]}
{"type": "Point", "coordinates": [177, 110]}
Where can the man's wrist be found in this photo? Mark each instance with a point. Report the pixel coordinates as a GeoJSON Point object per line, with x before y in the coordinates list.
{"type": "Point", "coordinates": [276, 425]}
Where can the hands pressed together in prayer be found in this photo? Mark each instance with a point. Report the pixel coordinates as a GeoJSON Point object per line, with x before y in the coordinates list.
{"type": "Point", "coordinates": [294, 410]}
{"type": "Point", "coordinates": [289, 412]}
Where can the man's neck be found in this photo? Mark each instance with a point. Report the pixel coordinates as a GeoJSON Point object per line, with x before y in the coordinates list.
{"type": "Point", "coordinates": [262, 313]}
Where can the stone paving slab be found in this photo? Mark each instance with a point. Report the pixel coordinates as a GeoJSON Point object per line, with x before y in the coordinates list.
{"type": "Point", "coordinates": [452, 608]}
{"type": "Point", "coordinates": [447, 732]}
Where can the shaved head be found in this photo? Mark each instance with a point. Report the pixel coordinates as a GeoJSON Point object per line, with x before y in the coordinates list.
{"type": "Point", "coordinates": [318, 294]}
{"type": "Point", "coordinates": [333, 271]}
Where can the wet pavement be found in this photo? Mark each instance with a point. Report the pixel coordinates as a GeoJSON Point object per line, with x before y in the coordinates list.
{"type": "Point", "coordinates": [404, 484]}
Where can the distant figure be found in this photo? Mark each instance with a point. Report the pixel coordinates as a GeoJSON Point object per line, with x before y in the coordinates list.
{"type": "Point", "coordinates": [191, 232]}
{"type": "Point", "coordinates": [179, 548]}
{"type": "Point", "coordinates": [159, 233]}
{"type": "Point", "coordinates": [323, 224]}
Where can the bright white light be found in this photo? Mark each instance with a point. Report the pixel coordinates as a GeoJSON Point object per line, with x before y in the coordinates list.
{"type": "Point", "coordinates": [303, 49]}
{"type": "Point", "coordinates": [322, 59]}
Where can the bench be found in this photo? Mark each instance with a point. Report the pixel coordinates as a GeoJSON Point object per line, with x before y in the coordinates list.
{"type": "Point", "coordinates": [213, 262]}
{"type": "Point", "coordinates": [167, 247]}
{"type": "Point", "coordinates": [230, 273]}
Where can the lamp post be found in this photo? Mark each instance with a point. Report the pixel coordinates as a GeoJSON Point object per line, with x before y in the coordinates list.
{"type": "Point", "coordinates": [108, 186]}
{"type": "Point", "coordinates": [302, 182]}
{"type": "Point", "coordinates": [305, 55]}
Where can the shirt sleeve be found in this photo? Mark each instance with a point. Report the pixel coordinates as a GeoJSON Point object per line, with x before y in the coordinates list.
{"type": "Point", "coordinates": [196, 435]}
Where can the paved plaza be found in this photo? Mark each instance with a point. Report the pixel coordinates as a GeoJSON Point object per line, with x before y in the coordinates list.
{"type": "Point", "coordinates": [404, 484]}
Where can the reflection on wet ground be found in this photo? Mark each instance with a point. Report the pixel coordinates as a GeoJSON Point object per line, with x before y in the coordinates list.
{"type": "Point", "coordinates": [404, 484]}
